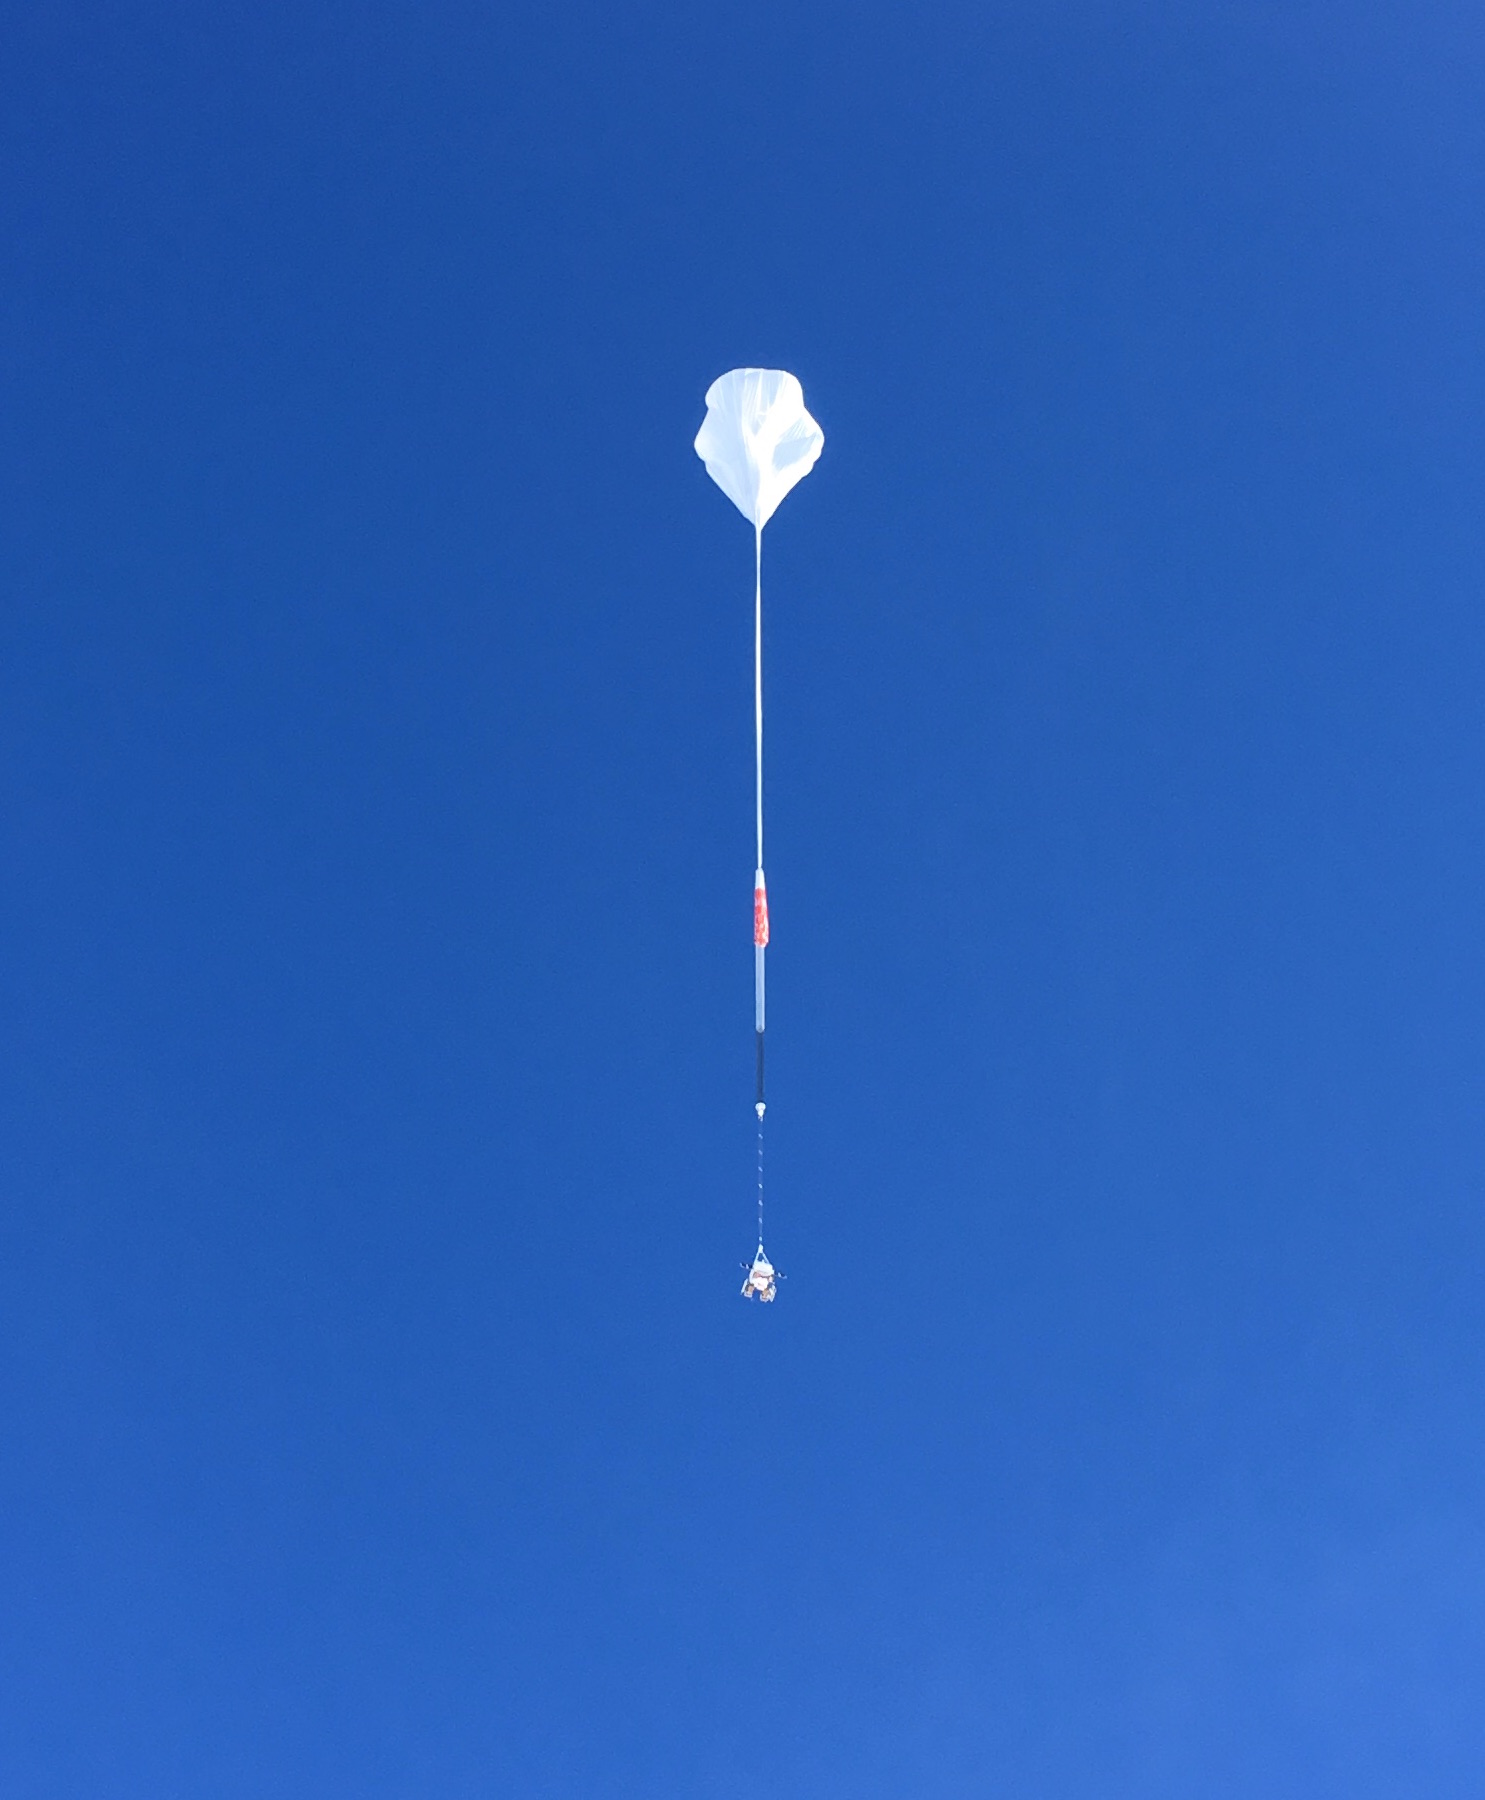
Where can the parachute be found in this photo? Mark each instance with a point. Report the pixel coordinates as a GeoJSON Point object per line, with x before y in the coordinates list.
{"type": "Point", "coordinates": [758, 441]}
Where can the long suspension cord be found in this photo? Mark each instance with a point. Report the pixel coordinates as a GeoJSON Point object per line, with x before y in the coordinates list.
{"type": "Point", "coordinates": [758, 680]}
{"type": "Point", "coordinates": [760, 1184]}
{"type": "Point", "coordinates": [760, 890]}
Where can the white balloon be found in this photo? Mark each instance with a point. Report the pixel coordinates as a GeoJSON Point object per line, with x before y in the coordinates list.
{"type": "Point", "coordinates": [757, 440]}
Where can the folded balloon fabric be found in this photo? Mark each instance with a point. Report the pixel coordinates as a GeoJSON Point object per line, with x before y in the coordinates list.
{"type": "Point", "coordinates": [757, 440]}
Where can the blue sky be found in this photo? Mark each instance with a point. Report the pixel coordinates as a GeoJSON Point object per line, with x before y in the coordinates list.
{"type": "Point", "coordinates": [380, 1417]}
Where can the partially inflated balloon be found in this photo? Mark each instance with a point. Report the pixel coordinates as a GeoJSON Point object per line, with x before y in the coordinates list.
{"type": "Point", "coordinates": [757, 440]}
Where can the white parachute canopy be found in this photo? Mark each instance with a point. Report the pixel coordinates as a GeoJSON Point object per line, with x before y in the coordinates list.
{"type": "Point", "coordinates": [757, 440]}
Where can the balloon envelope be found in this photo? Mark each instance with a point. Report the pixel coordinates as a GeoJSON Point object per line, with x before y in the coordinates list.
{"type": "Point", "coordinates": [757, 440]}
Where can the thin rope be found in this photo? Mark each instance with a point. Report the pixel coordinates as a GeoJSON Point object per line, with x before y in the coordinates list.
{"type": "Point", "coordinates": [758, 765]}
{"type": "Point", "coordinates": [760, 1184]}
{"type": "Point", "coordinates": [758, 681]}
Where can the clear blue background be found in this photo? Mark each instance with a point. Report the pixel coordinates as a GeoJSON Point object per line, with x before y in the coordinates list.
{"type": "Point", "coordinates": [378, 1414]}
